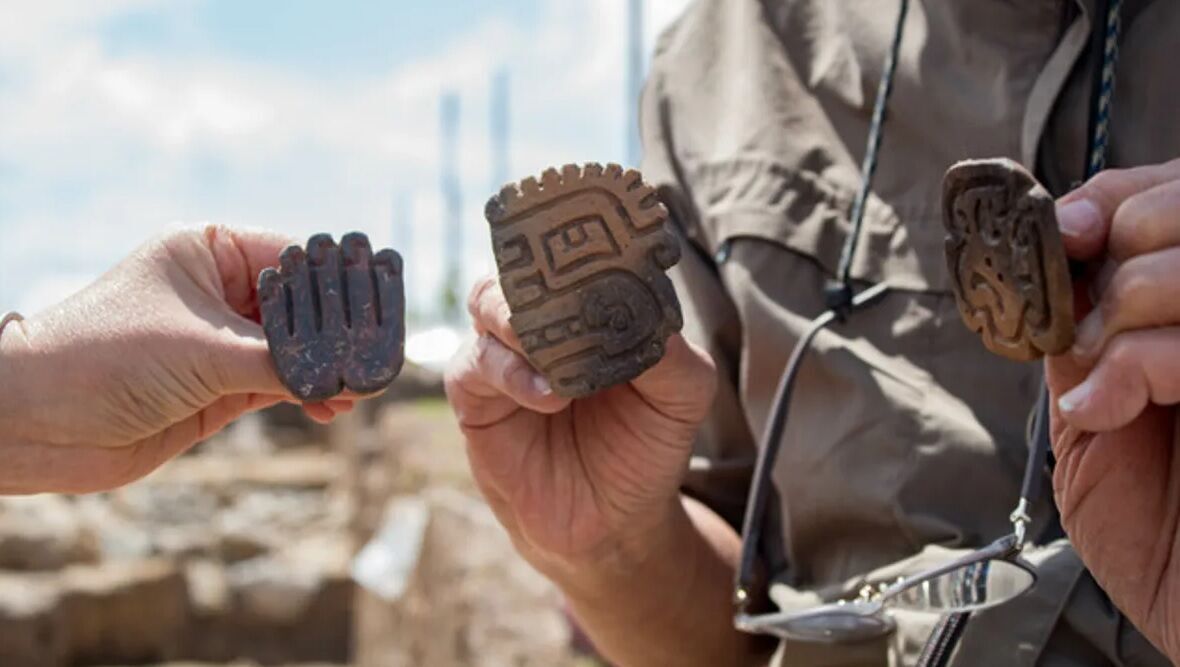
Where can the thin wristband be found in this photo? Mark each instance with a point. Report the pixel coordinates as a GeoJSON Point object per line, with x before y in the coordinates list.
{"type": "Point", "coordinates": [8, 318]}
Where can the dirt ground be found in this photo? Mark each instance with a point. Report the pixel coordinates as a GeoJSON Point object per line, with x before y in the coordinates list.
{"type": "Point", "coordinates": [243, 553]}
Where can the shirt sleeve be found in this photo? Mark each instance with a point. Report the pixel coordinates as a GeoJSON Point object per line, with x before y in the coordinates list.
{"type": "Point", "coordinates": [724, 452]}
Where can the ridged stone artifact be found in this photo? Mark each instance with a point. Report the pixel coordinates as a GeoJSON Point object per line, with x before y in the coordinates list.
{"type": "Point", "coordinates": [1007, 264]}
{"type": "Point", "coordinates": [582, 254]}
{"type": "Point", "coordinates": [334, 317]}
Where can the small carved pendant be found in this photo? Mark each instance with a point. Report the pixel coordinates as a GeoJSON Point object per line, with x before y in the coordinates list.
{"type": "Point", "coordinates": [1006, 260]}
{"type": "Point", "coordinates": [582, 255]}
{"type": "Point", "coordinates": [334, 317]}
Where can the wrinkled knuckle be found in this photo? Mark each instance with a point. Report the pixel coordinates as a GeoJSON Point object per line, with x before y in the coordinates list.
{"type": "Point", "coordinates": [1107, 182]}
{"type": "Point", "coordinates": [453, 378]}
{"type": "Point", "coordinates": [1129, 289]}
{"type": "Point", "coordinates": [1121, 356]}
{"type": "Point", "coordinates": [503, 313]}
{"type": "Point", "coordinates": [1128, 217]}
{"type": "Point", "coordinates": [462, 366]}
{"type": "Point", "coordinates": [477, 294]}
{"type": "Point", "coordinates": [513, 373]}
{"type": "Point", "coordinates": [1137, 288]}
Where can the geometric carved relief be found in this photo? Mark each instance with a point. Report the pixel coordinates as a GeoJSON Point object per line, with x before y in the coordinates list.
{"type": "Point", "coordinates": [582, 255]}
{"type": "Point", "coordinates": [334, 317]}
{"type": "Point", "coordinates": [1006, 260]}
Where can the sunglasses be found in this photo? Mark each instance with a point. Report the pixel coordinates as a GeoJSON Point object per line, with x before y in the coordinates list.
{"type": "Point", "coordinates": [984, 578]}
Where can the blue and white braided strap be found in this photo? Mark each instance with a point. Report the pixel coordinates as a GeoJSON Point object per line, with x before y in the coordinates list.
{"type": "Point", "coordinates": [1110, 57]}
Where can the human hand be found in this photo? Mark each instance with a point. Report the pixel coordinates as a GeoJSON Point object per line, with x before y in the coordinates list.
{"type": "Point", "coordinates": [582, 484]}
{"type": "Point", "coordinates": [161, 352]}
{"type": "Point", "coordinates": [1115, 429]}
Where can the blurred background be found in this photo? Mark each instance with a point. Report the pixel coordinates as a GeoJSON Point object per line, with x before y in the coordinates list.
{"type": "Point", "coordinates": [279, 542]}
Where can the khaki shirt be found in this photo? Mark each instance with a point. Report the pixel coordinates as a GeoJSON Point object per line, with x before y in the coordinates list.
{"type": "Point", "coordinates": [904, 432]}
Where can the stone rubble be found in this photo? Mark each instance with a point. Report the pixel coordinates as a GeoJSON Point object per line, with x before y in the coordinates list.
{"type": "Point", "coordinates": [240, 553]}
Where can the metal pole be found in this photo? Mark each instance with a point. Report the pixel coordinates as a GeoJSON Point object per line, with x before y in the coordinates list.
{"type": "Point", "coordinates": [499, 129]}
{"type": "Point", "coordinates": [452, 196]}
{"type": "Point", "coordinates": [633, 147]}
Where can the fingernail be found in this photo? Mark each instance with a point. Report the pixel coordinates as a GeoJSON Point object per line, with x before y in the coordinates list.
{"type": "Point", "coordinates": [1075, 398]}
{"type": "Point", "coordinates": [1079, 218]}
{"type": "Point", "coordinates": [542, 385]}
{"type": "Point", "coordinates": [1089, 336]}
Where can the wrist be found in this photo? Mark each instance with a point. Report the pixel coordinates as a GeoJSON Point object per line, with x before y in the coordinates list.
{"type": "Point", "coordinates": [676, 586]}
{"type": "Point", "coordinates": [657, 555]}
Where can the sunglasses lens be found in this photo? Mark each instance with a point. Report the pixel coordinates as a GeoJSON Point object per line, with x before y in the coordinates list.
{"type": "Point", "coordinates": [973, 586]}
{"type": "Point", "coordinates": [833, 623]}
{"type": "Point", "coordinates": [838, 627]}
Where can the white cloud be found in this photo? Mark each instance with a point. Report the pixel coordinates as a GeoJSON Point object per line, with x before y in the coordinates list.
{"type": "Point", "coordinates": [97, 151]}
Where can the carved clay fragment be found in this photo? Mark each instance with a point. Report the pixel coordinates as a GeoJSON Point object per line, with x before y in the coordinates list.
{"type": "Point", "coordinates": [582, 254]}
{"type": "Point", "coordinates": [1006, 260]}
{"type": "Point", "coordinates": [334, 317]}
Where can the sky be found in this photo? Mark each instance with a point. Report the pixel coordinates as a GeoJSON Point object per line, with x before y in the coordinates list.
{"type": "Point", "coordinates": [121, 117]}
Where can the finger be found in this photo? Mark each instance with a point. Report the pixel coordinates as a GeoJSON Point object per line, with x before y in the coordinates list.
{"type": "Point", "coordinates": [297, 278]}
{"type": "Point", "coordinates": [488, 381]}
{"type": "Point", "coordinates": [218, 415]}
{"type": "Point", "coordinates": [1137, 368]}
{"type": "Point", "coordinates": [242, 362]}
{"type": "Point", "coordinates": [1141, 293]}
{"type": "Point", "coordinates": [683, 383]}
{"type": "Point", "coordinates": [387, 267]}
{"type": "Point", "coordinates": [1147, 222]}
{"type": "Point", "coordinates": [1086, 214]}
{"type": "Point", "coordinates": [319, 413]}
{"type": "Point", "coordinates": [58, 469]}
{"type": "Point", "coordinates": [358, 256]}
{"type": "Point", "coordinates": [329, 409]}
{"type": "Point", "coordinates": [324, 257]}
{"type": "Point", "coordinates": [490, 313]}
{"type": "Point", "coordinates": [1100, 279]}
{"type": "Point", "coordinates": [272, 295]}
{"type": "Point", "coordinates": [241, 254]}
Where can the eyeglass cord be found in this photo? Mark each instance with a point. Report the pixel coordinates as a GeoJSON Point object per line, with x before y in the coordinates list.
{"type": "Point", "coordinates": [1102, 87]}
{"type": "Point", "coordinates": [839, 291]}
{"type": "Point", "coordinates": [840, 301]}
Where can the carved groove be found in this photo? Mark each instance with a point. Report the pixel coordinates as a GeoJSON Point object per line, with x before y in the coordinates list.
{"type": "Point", "coordinates": [325, 324]}
{"type": "Point", "coordinates": [582, 254]}
{"type": "Point", "coordinates": [1006, 260]}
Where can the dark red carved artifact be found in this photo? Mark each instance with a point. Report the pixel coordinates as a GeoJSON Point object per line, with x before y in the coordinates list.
{"type": "Point", "coordinates": [334, 317]}
{"type": "Point", "coordinates": [1007, 263]}
{"type": "Point", "coordinates": [582, 254]}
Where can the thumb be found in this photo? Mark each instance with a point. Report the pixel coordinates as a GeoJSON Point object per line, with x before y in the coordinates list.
{"type": "Point", "coordinates": [241, 355]}
{"type": "Point", "coordinates": [240, 255]}
{"type": "Point", "coordinates": [682, 384]}
{"type": "Point", "coordinates": [1065, 371]}
{"type": "Point", "coordinates": [243, 362]}
{"type": "Point", "coordinates": [1062, 373]}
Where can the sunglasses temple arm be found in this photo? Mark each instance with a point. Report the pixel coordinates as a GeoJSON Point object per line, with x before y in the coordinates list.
{"type": "Point", "coordinates": [1034, 471]}
{"type": "Point", "coordinates": [772, 441]}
